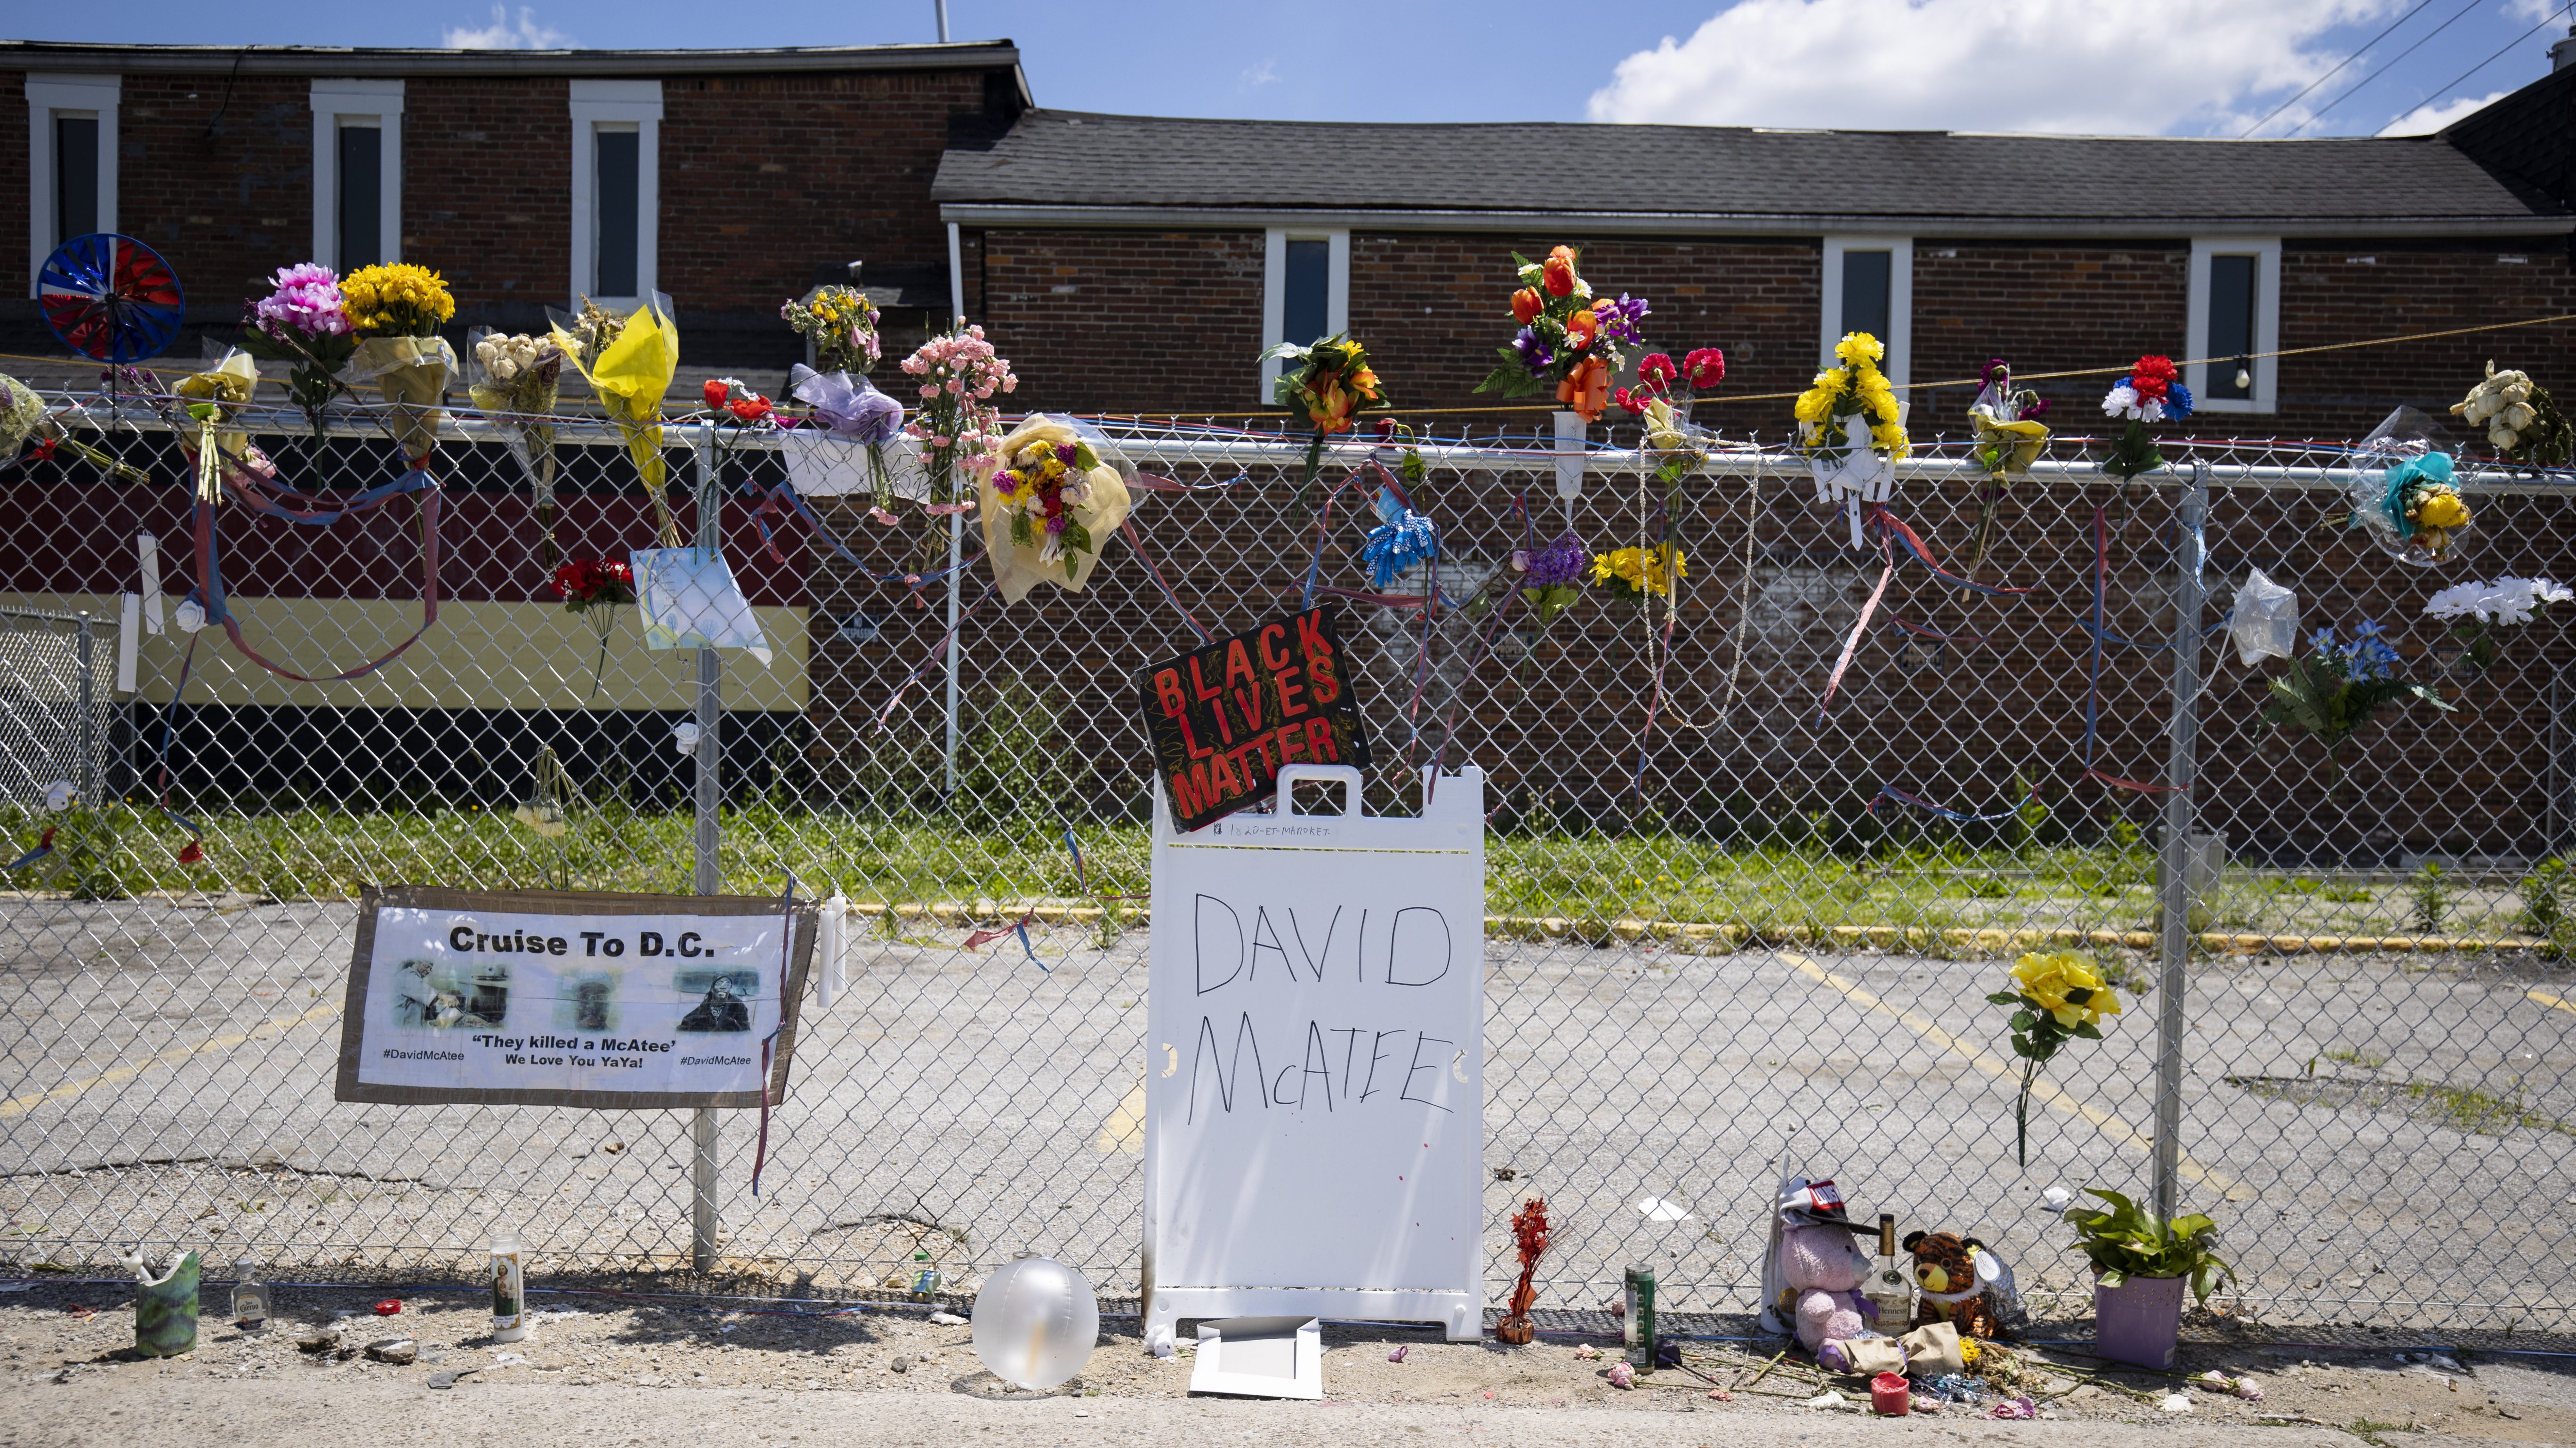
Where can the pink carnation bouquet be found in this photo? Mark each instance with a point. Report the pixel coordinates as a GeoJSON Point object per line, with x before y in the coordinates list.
{"type": "Point", "coordinates": [305, 322]}
{"type": "Point", "coordinates": [958, 375]}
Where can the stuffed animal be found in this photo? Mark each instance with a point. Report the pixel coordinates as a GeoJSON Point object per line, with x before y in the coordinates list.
{"type": "Point", "coordinates": [1825, 1268]}
{"type": "Point", "coordinates": [1954, 1291]}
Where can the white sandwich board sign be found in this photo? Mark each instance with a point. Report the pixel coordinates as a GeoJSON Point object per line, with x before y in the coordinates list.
{"type": "Point", "coordinates": [1314, 1126]}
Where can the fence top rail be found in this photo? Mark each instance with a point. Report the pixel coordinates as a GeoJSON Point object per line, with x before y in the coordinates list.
{"type": "Point", "coordinates": [2231, 462]}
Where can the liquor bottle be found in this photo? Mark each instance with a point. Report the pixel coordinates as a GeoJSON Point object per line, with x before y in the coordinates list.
{"type": "Point", "coordinates": [1889, 1288]}
{"type": "Point", "coordinates": [251, 1299]}
{"type": "Point", "coordinates": [1640, 1317]}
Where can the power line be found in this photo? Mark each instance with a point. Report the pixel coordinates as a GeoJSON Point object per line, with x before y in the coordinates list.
{"type": "Point", "coordinates": [2356, 54]}
{"type": "Point", "coordinates": [2319, 113]}
{"type": "Point", "coordinates": [2546, 21]}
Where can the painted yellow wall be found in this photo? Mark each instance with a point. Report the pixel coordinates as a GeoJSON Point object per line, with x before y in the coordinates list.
{"type": "Point", "coordinates": [480, 656]}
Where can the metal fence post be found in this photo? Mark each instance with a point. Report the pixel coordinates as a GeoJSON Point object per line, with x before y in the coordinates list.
{"type": "Point", "coordinates": [90, 792]}
{"type": "Point", "coordinates": [702, 1128]}
{"type": "Point", "coordinates": [2190, 555]}
{"type": "Point", "coordinates": [956, 580]}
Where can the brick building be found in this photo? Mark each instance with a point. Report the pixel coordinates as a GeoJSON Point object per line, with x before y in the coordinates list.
{"type": "Point", "coordinates": [1092, 235]}
{"type": "Point", "coordinates": [729, 179]}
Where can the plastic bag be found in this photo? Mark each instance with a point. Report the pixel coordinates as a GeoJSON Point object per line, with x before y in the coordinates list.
{"type": "Point", "coordinates": [689, 600]}
{"type": "Point", "coordinates": [2403, 493]}
{"type": "Point", "coordinates": [2265, 621]}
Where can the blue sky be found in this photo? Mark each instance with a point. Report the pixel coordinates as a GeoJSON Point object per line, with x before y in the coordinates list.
{"type": "Point", "coordinates": [2182, 67]}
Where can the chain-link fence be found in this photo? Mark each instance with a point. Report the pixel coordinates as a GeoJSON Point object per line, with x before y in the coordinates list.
{"type": "Point", "coordinates": [57, 716]}
{"type": "Point", "coordinates": [1733, 922]}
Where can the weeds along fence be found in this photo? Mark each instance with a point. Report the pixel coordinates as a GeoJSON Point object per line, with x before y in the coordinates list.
{"type": "Point", "coordinates": [1731, 924]}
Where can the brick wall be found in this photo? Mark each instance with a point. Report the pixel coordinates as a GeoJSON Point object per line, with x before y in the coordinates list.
{"type": "Point", "coordinates": [1124, 320]}
{"type": "Point", "coordinates": [487, 192]}
{"type": "Point", "coordinates": [2043, 309]}
{"type": "Point", "coordinates": [2351, 290]}
{"type": "Point", "coordinates": [217, 178]}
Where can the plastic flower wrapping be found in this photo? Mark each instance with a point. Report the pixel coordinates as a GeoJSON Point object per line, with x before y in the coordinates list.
{"type": "Point", "coordinates": [2521, 420]}
{"type": "Point", "coordinates": [304, 322]}
{"type": "Point", "coordinates": [1852, 428]}
{"type": "Point", "coordinates": [1568, 338]}
{"type": "Point", "coordinates": [2151, 393]}
{"type": "Point", "coordinates": [1057, 492]}
{"type": "Point", "coordinates": [2405, 496]}
{"type": "Point", "coordinates": [2010, 437]}
{"type": "Point", "coordinates": [853, 415]}
{"type": "Point", "coordinates": [842, 325]}
{"type": "Point", "coordinates": [218, 391]}
{"type": "Point", "coordinates": [1637, 575]}
{"type": "Point", "coordinates": [517, 378]}
{"type": "Point", "coordinates": [957, 374]}
{"type": "Point", "coordinates": [629, 362]}
{"type": "Point", "coordinates": [24, 422]}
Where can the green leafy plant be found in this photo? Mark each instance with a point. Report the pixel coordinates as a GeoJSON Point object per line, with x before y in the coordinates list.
{"type": "Point", "coordinates": [2130, 1241]}
{"type": "Point", "coordinates": [2544, 894]}
{"type": "Point", "coordinates": [2432, 898]}
{"type": "Point", "coordinates": [2334, 691]}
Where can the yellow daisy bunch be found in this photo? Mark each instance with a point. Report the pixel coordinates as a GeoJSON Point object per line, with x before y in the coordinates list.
{"type": "Point", "coordinates": [2048, 978]}
{"type": "Point", "coordinates": [1640, 573]}
{"type": "Point", "coordinates": [397, 300]}
{"type": "Point", "coordinates": [1855, 389]}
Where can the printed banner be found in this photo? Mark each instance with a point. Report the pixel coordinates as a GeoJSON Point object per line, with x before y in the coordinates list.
{"type": "Point", "coordinates": [572, 998]}
{"type": "Point", "coordinates": [1226, 717]}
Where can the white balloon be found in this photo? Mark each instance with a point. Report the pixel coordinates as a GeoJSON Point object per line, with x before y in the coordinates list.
{"type": "Point", "coordinates": [1035, 1322]}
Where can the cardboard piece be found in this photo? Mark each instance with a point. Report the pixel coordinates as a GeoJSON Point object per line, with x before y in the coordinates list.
{"type": "Point", "coordinates": [1260, 1357]}
{"type": "Point", "coordinates": [1227, 718]}
{"type": "Point", "coordinates": [1315, 1081]}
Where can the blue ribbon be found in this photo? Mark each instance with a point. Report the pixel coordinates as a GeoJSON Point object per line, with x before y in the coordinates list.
{"type": "Point", "coordinates": [1396, 546]}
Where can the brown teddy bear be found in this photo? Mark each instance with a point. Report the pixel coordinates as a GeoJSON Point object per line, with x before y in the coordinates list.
{"type": "Point", "coordinates": [1945, 1267]}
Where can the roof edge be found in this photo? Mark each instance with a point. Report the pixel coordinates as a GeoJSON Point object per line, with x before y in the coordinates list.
{"type": "Point", "coordinates": [318, 60]}
{"type": "Point", "coordinates": [1245, 218]}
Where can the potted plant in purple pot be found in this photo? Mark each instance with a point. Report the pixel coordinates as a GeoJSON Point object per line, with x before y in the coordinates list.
{"type": "Point", "coordinates": [2141, 1263]}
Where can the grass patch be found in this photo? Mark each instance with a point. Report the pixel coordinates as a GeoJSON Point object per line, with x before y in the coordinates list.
{"type": "Point", "coordinates": [2363, 1059]}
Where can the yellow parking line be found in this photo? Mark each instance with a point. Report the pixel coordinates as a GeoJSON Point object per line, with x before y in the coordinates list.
{"type": "Point", "coordinates": [2545, 998]}
{"type": "Point", "coordinates": [21, 1105]}
{"type": "Point", "coordinates": [2042, 1090]}
{"type": "Point", "coordinates": [1126, 1128]}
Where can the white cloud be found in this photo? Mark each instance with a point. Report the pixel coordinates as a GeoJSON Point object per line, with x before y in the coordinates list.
{"type": "Point", "coordinates": [2425, 120]}
{"type": "Point", "coordinates": [526, 33]}
{"type": "Point", "coordinates": [1266, 73]}
{"type": "Point", "coordinates": [1982, 65]}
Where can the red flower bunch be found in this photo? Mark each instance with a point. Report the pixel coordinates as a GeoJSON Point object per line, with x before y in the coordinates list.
{"type": "Point", "coordinates": [2153, 378]}
{"type": "Point", "coordinates": [731, 396]}
{"type": "Point", "coordinates": [1703, 369]}
{"type": "Point", "coordinates": [594, 583]}
{"type": "Point", "coordinates": [1529, 1239]}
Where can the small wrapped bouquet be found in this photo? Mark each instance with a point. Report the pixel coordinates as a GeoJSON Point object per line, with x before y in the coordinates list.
{"type": "Point", "coordinates": [396, 311]}
{"type": "Point", "coordinates": [1852, 429]}
{"type": "Point", "coordinates": [1666, 415]}
{"type": "Point", "coordinates": [852, 413]}
{"type": "Point", "coordinates": [24, 422]}
{"type": "Point", "coordinates": [517, 378]}
{"type": "Point", "coordinates": [840, 323]}
{"type": "Point", "coordinates": [211, 395]}
{"type": "Point", "coordinates": [2010, 437]}
{"type": "Point", "coordinates": [304, 322]}
{"type": "Point", "coordinates": [629, 362]}
{"type": "Point", "coordinates": [2404, 494]}
{"type": "Point", "coordinates": [2151, 393]}
{"type": "Point", "coordinates": [1331, 382]}
{"type": "Point", "coordinates": [959, 374]}
{"type": "Point", "coordinates": [1568, 340]}
{"type": "Point", "coordinates": [2520, 418]}
{"type": "Point", "coordinates": [1049, 504]}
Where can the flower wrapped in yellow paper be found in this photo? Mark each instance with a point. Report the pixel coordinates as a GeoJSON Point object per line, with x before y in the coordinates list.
{"type": "Point", "coordinates": [629, 363]}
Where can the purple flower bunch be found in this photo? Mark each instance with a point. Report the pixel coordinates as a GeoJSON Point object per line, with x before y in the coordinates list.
{"type": "Point", "coordinates": [1619, 319]}
{"type": "Point", "coordinates": [306, 302]}
{"type": "Point", "coordinates": [1562, 561]}
{"type": "Point", "coordinates": [1535, 353]}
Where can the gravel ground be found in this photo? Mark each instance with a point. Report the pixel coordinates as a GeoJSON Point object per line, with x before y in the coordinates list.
{"type": "Point", "coordinates": [2383, 1139]}
{"type": "Point", "coordinates": [620, 1372]}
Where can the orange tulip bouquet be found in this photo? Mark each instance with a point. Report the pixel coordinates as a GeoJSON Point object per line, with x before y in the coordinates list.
{"type": "Point", "coordinates": [1567, 337]}
{"type": "Point", "coordinates": [1331, 382]}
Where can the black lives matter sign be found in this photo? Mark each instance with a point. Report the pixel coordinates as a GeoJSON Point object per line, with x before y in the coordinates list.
{"type": "Point", "coordinates": [1226, 717]}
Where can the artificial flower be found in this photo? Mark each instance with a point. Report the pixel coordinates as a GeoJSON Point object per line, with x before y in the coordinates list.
{"type": "Point", "coordinates": [1636, 574]}
{"type": "Point", "coordinates": [1580, 327]}
{"type": "Point", "coordinates": [2051, 978]}
{"type": "Point", "coordinates": [1526, 305]}
{"type": "Point", "coordinates": [1563, 334]}
{"type": "Point", "coordinates": [959, 374]}
{"type": "Point", "coordinates": [2508, 600]}
{"type": "Point", "coordinates": [1557, 273]}
{"type": "Point", "coordinates": [1655, 372]}
{"type": "Point", "coordinates": [1705, 367]}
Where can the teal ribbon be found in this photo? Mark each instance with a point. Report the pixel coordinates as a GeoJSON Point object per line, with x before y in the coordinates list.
{"type": "Point", "coordinates": [2403, 479]}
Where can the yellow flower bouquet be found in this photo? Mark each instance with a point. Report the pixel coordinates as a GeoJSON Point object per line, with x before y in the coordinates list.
{"type": "Point", "coordinates": [1852, 428]}
{"type": "Point", "coordinates": [396, 310]}
{"type": "Point", "coordinates": [2059, 996]}
{"type": "Point", "coordinates": [629, 362]}
{"type": "Point", "coordinates": [1640, 574]}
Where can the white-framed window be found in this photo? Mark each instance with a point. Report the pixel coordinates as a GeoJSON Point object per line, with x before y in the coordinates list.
{"type": "Point", "coordinates": [1305, 290]}
{"type": "Point", "coordinates": [1869, 287]}
{"type": "Point", "coordinates": [71, 161]}
{"type": "Point", "coordinates": [2235, 315]}
{"type": "Point", "coordinates": [616, 189]}
{"type": "Point", "coordinates": [357, 173]}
